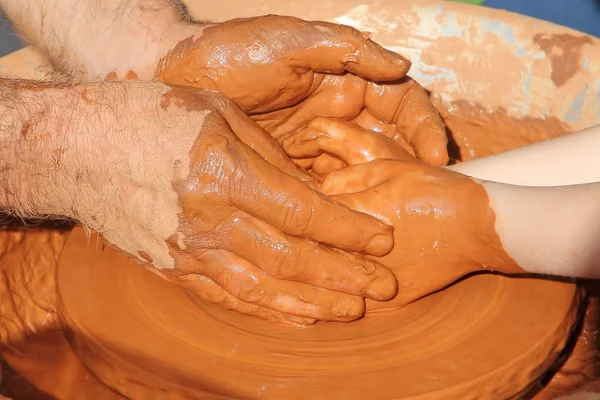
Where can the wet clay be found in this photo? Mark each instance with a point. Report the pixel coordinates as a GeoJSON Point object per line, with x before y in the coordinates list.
{"type": "Point", "coordinates": [47, 360]}
{"type": "Point", "coordinates": [226, 57]}
{"type": "Point", "coordinates": [477, 132]}
{"type": "Point", "coordinates": [580, 368]}
{"type": "Point", "coordinates": [443, 225]}
{"type": "Point", "coordinates": [182, 345]}
{"type": "Point", "coordinates": [28, 260]}
{"type": "Point", "coordinates": [299, 71]}
{"type": "Point", "coordinates": [565, 52]}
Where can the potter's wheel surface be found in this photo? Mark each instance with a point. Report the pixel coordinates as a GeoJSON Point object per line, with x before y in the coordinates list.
{"type": "Point", "coordinates": [485, 337]}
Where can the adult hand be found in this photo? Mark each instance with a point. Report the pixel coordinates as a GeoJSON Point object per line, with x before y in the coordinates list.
{"type": "Point", "coordinates": [183, 181]}
{"type": "Point", "coordinates": [285, 72]}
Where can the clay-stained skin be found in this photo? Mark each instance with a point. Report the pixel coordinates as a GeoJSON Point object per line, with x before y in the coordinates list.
{"type": "Point", "coordinates": [285, 72]}
{"type": "Point", "coordinates": [329, 144]}
{"type": "Point", "coordinates": [443, 225]}
{"type": "Point", "coordinates": [477, 132]}
{"type": "Point", "coordinates": [258, 64]}
{"type": "Point", "coordinates": [234, 243]}
{"type": "Point", "coordinates": [565, 52]}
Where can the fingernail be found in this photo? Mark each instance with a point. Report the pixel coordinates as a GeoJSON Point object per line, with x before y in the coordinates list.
{"type": "Point", "coordinates": [380, 245]}
{"type": "Point", "coordinates": [431, 143]}
{"type": "Point", "coordinates": [350, 58]}
{"type": "Point", "coordinates": [299, 322]}
{"type": "Point", "coordinates": [347, 309]}
{"type": "Point", "coordinates": [382, 289]}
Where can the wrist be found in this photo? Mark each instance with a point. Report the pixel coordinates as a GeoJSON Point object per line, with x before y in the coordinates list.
{"type": "Point", "coordinates": [121, 39]}
{"type": "Point", "coordinates": [490, 251]}
{"type": "Point", "coordinates": [550, 230]}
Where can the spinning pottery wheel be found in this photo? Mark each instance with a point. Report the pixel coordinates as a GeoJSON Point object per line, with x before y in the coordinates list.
{"type": "Point", "coordinates": [485, 337]}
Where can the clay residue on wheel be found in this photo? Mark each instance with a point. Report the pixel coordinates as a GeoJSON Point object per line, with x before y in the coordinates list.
{"type": "Point", "coordinates": [476, 132]}
{"type": "Point", "coordinates": [565, 52]}
{"type": "Point", "coordinates": [28, 260]}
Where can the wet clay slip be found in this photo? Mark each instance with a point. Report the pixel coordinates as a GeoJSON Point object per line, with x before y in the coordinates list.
{"type": "Point", "coordinates": [178, 344]}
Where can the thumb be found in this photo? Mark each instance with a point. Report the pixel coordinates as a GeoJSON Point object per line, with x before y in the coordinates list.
{"type": "Point", "coordinates": [355, 178]}
{"type": "Point", "coordinates": [341, 49]}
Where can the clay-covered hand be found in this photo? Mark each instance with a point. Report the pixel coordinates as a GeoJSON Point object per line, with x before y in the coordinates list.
{"type": "Point", "coordinates": [281, 70]}
{"type": "Point", "coordinates": [285, 72]}
{"type": "Point", "coordinates": [328, 144]}
{"type": "Point", "coordinates": [172, 179]}
{"type": "Point", "coordinates": [444, 227]}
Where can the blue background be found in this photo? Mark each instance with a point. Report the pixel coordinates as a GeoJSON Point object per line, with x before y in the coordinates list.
{"type": "Point", "coordinates": [583, 15]}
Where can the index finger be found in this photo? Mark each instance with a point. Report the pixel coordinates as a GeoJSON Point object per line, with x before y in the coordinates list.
{"type": "Point", "coordinates": [338, 48]}
{"type": "Point", "coordinates": [289, 205]}
{"type": "Point", "coordinates": [250, 133]}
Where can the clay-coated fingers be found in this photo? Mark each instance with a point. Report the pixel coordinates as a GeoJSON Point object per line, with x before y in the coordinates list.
{"type": "Point", "coordinates": [207, 289]}
{"type": "Point", "coordinates": [324, 164]}
{"type": "Point", "coordinates": [366, 121]}
{"type": "Point", "coordinates": [407, 105]}
{"type": "Point", "coordinates": [339, 48]}
{"type": "Point", "coordinates": [292, 207]}
{"type": "Point", "coordinates": [346, 140]}
{"type": "Point", "coordinates": [250, 133]}
{"type": "Point", "coordinates": [286, 257]}
{"type": "Point", "coordinates": [246, 282]}
{"type": "Point", "coordinates": [356, 178]}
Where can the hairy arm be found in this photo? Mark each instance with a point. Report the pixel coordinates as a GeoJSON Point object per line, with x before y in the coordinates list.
{"type": "Point", "coordinates": [126, 38]}
{"type": "Point", "coordinates": [35, 119]}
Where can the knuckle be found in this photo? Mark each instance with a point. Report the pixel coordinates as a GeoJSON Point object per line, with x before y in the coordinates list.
{"type": "Point", "coordinates": [347, 308]}
{"type": "Point", "coordinates": [252, 293]}
{"type": "Point", "coordinates": [298, 217]}
{"type": "Point", "coordinates": [226, 280]}
{"type": "Point", "coordinates": [287, 264]}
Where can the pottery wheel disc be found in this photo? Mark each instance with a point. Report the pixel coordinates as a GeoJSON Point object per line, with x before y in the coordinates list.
{"type": "Point", "coordinates": [485, 337]}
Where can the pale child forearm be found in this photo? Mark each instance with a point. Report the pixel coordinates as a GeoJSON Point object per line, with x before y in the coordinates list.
{"type": "Point", "coordinates": [550, 230]}
{"type": "Point", "coordinates": [566, 160]}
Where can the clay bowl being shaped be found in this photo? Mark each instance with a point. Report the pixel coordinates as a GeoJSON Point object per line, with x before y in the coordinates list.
{"type": "Point", "coordinates": [484, 337]}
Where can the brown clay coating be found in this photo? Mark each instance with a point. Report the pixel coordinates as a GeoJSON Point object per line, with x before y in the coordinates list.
{"type": "Point", "coordinates": [226, 57]}
{"type": "Point", "coordinates": [184, 346]}
{"type": "Point", "coordinates": [581, 369]}
{"type": "Point", "coordinates": [479, 133]}
{"type": "Point", "coordinates": [565, 52]}
{"type": "Point", "coordinates": [286, 81]}
{"type": "Point", "coordinates": [443, 225]}
{"type": "Point", "coordinates": [428, 305]}
{"type": "Point", "coordinates": [282, 361]}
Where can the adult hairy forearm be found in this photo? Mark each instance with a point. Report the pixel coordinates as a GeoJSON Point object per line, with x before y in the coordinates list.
{"type": "Point", "coordinates": [125, 38]}
{"type": "Point", "coordinates": [36, 176]}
